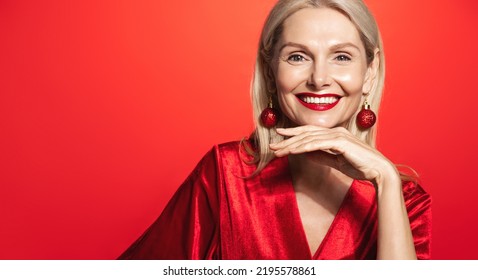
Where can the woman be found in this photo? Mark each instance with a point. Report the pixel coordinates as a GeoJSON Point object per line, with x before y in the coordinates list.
{"type": "Point", "coordinates": [309, 183]}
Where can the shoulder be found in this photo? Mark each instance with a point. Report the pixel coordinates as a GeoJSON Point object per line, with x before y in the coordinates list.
{"type": "Point", "coordinates": [237, 148]}
{"type": "Point", "coordinates": [220, 151]}
{"type": "Point", "coordinates": [221, 156]}
{"type": "Point", "coordinates": [214, 155]}
{"type": "Point", "coordinates": [417, 200]}
{"type": "Point", "coordinates": [418, 204]}
{"type": "Point", "coordinates": [241, 150]}
{"type": "Point", "coordinates": [235, 157]}
{"type": "Point", "coordinates": [414, 194]}
{"type": "Point", "coordinates": [228, 147]}
{"type": "Point", "coordinates": [414, 190]}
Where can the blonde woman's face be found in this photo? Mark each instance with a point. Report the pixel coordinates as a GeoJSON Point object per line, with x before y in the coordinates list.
{"type": "Point", "coordinates": [320, 68]}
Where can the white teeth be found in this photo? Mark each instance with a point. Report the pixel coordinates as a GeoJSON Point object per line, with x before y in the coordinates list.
{"type": "Point", "coordinates": [319, 100]}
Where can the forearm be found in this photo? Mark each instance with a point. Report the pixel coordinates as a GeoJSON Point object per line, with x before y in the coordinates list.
{"type": "Point", "coordinates": [395, 240]}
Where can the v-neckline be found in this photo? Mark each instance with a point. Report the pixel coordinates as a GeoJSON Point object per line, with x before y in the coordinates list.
{"type": "Point", "coordinates": [299, 223]}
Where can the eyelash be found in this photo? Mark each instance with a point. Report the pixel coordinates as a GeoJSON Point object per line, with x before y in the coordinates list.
{"type": "Point", "coordinates": [343, 57]}
{"type": "Point", "coordinates": [296, 58]}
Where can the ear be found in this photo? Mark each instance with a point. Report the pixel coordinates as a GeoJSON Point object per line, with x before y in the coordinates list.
{"type": "Point", "coordinates": [372, 72]}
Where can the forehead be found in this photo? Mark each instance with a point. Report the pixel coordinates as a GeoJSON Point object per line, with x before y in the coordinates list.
{"type": "Point", "coordinates": [314, 26]}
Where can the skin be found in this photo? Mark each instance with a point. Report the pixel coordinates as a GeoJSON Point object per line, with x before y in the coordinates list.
{"type": "Point", "coordinates": [320, 51]}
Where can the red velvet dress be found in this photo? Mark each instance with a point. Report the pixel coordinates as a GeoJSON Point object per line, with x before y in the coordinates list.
{"type": "Point", "coordinates": [216, 214]}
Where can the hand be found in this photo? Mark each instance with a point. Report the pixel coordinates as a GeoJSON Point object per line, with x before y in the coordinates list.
{"type": "Point", "coordinates": [337, 148]}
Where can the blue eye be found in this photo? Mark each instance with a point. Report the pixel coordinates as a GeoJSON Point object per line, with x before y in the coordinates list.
{"type": "Point", "coordinates": [296, 58]}
{"type": "Point", "coordinates": [343, 57]}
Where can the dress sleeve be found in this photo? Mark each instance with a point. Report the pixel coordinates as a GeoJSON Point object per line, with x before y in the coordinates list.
{"type": "Point", "coordinates": [418, 204]}
{"type": "Point", "coordinates": [187, 227]}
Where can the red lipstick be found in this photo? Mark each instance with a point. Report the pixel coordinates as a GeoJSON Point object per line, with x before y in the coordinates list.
{"type": "Point", "coordinates": [318, 106]}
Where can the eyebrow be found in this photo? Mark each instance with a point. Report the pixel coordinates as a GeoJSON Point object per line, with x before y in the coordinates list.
{"type": "Point", "coordinates": [344, 45]}
{"type": "Point", "coordinates": [333, 48]}
{"type": "Point", "coordinates": [291, 44]}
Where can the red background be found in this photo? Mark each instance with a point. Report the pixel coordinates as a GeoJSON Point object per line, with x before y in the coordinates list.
{"type": "Point", "coordinates": [106, 106]}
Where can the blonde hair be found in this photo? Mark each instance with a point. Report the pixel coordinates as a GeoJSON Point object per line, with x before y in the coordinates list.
{"type": "Point", "coordinates": [262, 87]}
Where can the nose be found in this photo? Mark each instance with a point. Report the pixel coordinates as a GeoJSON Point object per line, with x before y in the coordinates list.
{"type": "Point", "coordinates": [319, 76]}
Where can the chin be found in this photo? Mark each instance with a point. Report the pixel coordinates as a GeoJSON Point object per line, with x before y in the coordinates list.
{"type": "Point", "coordinates": [321, 123]}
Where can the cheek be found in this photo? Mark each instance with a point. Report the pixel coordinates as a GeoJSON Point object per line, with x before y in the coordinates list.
{"type": "Point", "coordinates": [350, 81]}
{"type": "Point", "coordinates": [288, 78]}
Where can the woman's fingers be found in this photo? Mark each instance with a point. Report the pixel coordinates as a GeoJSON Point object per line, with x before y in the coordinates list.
{"type": "Point", "coordinates": [297, 134]}
{"type": "Point", "coordinates": [335, 147]}
{"type": "Point", "coordinates": [330, 143]}
{"type": "Point", "coordinates": [289, 141]}
{"type": "Point", "coordinates": [307, 128]}
{"type": "Point", "coordinates": [298, 130]}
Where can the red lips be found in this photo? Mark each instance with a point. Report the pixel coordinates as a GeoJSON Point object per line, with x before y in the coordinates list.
{"type": "Point", "coordinates": [318, 106]}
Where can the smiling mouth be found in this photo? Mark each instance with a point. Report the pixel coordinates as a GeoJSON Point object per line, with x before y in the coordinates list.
{"type": "Point", "coordinates": [317, 102]}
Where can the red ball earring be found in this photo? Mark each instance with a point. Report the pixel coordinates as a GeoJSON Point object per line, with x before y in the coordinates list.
{"type": "Point", "coordinates": [269, 116]}
{"type": "Point", "coordinates": [366, 118]}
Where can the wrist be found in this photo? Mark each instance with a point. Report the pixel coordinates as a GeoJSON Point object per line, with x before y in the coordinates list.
{"type": "Point", "coordinates": [387, 178]}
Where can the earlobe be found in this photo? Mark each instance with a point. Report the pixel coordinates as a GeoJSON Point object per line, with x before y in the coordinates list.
{"type": "Point", "coordinates": [372, 73]}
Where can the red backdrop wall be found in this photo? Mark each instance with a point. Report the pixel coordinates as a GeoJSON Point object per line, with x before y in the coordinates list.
{"type": "Point", "coordinates": [106, 106]}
